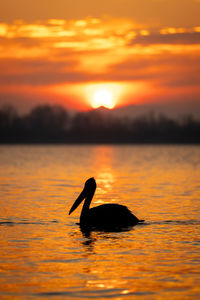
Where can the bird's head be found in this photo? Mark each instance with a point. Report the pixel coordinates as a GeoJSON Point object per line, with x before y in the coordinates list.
{"type": "Point", "coordinates": [88, 190]}
{"type": "Point", "coordinates": [90, 184]}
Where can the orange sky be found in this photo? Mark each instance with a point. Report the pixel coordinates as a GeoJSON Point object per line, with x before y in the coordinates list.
{"type": "Point", "coordinates": [62, 52]}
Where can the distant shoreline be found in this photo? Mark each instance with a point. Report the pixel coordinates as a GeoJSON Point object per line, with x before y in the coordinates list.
{"type": "Point", "coordinates": [53, 125]}
{"type": "Point", "coordinates": [53, 142]}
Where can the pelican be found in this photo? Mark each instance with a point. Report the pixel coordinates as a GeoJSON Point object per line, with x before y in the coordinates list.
{"type": "Point", "coordinates": [102, 216]}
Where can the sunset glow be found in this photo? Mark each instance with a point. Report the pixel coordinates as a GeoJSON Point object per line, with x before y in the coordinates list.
{"type": "Point", "coordinates": [99, 116]}
{"type": "Point", "coordinates": [106, 59]}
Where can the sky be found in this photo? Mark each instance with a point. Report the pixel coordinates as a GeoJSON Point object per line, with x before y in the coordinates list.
{"type": "Point", "coordinates": [81, 54]}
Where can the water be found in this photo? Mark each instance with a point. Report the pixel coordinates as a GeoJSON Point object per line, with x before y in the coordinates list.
{"type": "Point", "coordinates": [43, 253]}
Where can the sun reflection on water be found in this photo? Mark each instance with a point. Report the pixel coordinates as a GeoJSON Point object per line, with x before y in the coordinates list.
{"type": "Point", "coordinates": [104, 175]}
{"type": "Point", "coordinates": [43, 252]}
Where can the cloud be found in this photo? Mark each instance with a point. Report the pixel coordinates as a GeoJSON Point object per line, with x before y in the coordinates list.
{"type": "Point", "coordinates": [183, 38]}
{"type": "Point", "coordinates": [38, 72]}
{"type": "Point", "coordinates": [162, 12]}
{"type": "Point", "coordinates": [90, 34]}
{"type": "Point", "coordinates": [166, 69]}
{"type": "Point", "coordinates": [59, 52]}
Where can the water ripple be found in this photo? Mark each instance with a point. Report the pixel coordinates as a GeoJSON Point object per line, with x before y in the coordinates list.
{"type": "Point", "coordinates": [14, 223]}
{"type": "Point", "coordinates": [94, 294]}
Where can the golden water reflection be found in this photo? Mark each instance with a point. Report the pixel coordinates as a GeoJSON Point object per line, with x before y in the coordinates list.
{"type": "Point", "coordinates": [43, 252]}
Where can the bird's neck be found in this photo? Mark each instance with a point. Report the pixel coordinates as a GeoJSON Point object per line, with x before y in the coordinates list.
{"type": "Point", "coordinates": [86, 204]}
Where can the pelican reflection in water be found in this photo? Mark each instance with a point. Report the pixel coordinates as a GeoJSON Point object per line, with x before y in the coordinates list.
{"type": "Point", "coordinates": [105, 216]}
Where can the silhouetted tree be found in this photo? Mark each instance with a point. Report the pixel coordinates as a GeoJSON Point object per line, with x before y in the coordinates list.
{"type": "Point", "coordinates": [48, 123]}
{"type": "Point", "coordinates": [7, 116]}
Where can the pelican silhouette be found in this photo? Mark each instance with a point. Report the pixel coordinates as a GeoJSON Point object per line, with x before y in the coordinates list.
{"type": "Point", "coordinates": [104, 216]}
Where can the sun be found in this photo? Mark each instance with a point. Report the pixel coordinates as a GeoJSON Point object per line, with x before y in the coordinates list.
{"type": "Point", "coordinates": [104, 94]}
{"type": "Point", "coordinates": [102, 97]}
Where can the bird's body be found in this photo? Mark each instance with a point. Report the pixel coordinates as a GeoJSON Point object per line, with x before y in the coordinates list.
{"type": "Point", "coordinates": [105, 216]}
{"type": "Point", "coordinates": [109, 215]}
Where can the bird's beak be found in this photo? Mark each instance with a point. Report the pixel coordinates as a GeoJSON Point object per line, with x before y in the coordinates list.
{"type": "Point", "coordinates": [80, 198]}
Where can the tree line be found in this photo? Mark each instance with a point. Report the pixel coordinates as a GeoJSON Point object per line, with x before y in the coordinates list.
{"type": "Point", "coordinates": [54, 124]}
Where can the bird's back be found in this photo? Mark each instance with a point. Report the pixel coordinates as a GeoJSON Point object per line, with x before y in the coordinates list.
{"type": "Point", "coordinates": [109, 215]}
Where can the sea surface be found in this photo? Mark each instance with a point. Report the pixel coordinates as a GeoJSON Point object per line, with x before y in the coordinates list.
{"type": "Point", "coordinates": [44, 254]}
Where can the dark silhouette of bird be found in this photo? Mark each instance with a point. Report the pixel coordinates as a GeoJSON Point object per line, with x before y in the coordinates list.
{"type": "Point", "coordinates": [105, 216]}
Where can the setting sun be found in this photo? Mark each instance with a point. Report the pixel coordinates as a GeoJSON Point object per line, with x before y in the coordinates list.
{"type": "Point", "coordinates": [104, 98]}
{"type": "Point", "coordinates": [105, 94]}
